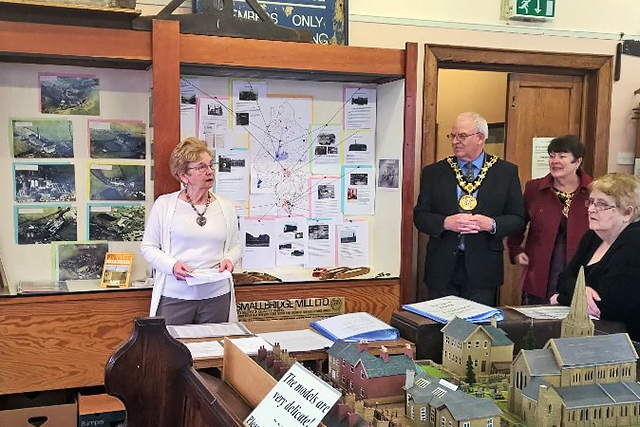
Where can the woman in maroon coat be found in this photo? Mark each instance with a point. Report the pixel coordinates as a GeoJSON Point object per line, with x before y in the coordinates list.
{"type": "Point", "coordinates": [557, 217]}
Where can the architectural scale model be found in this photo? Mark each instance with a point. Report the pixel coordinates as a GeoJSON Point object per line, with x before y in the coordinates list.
{"type": "Point", "coordinates": [578, 379]}
{"type": "Point", "coordinates": [488, 347]}
{"type": "Point", "coordinates": [432, 402]}
{"type": "Point", "coordinates": [354, 369]}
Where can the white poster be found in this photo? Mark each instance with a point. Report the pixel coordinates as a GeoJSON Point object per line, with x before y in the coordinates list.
{"type": "Point", "coordinates": [232, 173]}
{"type": "Point", "coordinates": [258, 237]}
{"type": "Point", "coordinates": [353, 244]}
{"type": "Point", "coordinates": [292, 241]}
{"type": "Point", "coordinates": [322, 243]}
{"type": "Point", "coordinates": [325, 149]}
{"type": "Point", "coordinates": [326, 196]}
{"type": "Point", "coordinates": [540, 157]}
{"type": "Point", "coordinates": [360, 108]}
{"type": "Point", "coordinates": [359, 192]}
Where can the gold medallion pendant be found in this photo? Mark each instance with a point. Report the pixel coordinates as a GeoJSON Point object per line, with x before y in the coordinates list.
{"type": "Point", "coordinates": [467, 202]}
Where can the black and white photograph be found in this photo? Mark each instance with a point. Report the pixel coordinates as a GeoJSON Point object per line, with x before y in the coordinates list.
{"type": "Point", "coordinates": [332, 150]}
{"type": "Point", "coordinates": [389, 174]}
{"type": "Point", "coordinates": [80, 261]}
{"type": "Point", "coordinates": [51, 182]}
{"type": "Point", "coordinates": [69, 94]}
{"type": "Point", "coordinates": [42, 138]}
{"type": "Point", "coordinates": [41, 225]}
{"type": "Point", "coordinates": [116, 182]}
{"type": "Point", "coordinates": [260, 241]}
{"type": "Point", "coordinates": [116, 223]}
{"type": "Point", "coordinates": [247, 95]}
{"type": "Point", "coordinates": [320, 150]}
{"type": "Point", "coordinates": [326, 191]}
{"type": "Point", "coordinates": [326, 138]}
{"type": "Point", "coordinates": [214, 109]}
{"type": "Point", "coordinates": [359, 179]}
{"type": "Point", "coordinates": [242, 119]}
{"type": "Point", "coordinates": [347, 236]}
{"type": "Point", "coordinates": [357, 147]}
{"type": "Point", "coordinates": [319, 232]}
{"type": "Point", "coordinates": [117, 139]}
{"type": "Point", "coordinates": [359, 100]}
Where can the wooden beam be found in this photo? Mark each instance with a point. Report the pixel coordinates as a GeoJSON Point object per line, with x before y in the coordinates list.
{"type": "Point", "coordinates": [407, 280]}
{"type": "Point", "coordinates": [166, 102]}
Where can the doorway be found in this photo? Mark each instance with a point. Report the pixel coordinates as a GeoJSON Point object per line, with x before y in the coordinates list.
{"type": "Point", "coordinates": [595, 75]}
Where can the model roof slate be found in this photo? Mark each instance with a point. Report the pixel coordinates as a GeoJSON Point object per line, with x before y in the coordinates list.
{"type": "Point", "coordinates": [461, 329]}
{"type": "Point", "coordinates": [583, 396]}
{"type": "Point", "coordinates": [596, 350]}
{"type": "Point", "coordinates": [374, 366]}
{"type": "Point", "coordinates": [461, 405]}
{"type": "Point", "coordinates": [541, 362]}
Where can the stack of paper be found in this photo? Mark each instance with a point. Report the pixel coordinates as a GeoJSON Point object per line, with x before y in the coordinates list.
{"type": "Point", "coordinates": [444, 310]}
{"type": "Point", "coordinates": [353, 327]}
{"type": "Point", "coordinates": [207, 330]}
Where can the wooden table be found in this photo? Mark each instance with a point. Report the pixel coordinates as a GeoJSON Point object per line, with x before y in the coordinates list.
{"type": "Point", "coordinates": [427, 335]}
{"type": "Point", "coordinates": [313, 356]}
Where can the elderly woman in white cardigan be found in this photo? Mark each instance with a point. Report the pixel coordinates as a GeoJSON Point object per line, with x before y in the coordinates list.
{"type": "Point", "coordinates": [187, 230]}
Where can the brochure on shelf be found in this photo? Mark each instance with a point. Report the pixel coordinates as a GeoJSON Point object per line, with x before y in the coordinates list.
{"type": "Point", "coordinates": [116, 271]}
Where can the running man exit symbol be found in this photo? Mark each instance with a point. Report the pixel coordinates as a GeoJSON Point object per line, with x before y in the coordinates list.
{"type": "Point", "coordinates": [532, 9]}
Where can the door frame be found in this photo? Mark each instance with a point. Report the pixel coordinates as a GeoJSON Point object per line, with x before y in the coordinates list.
{"type": "Point", "coordinates": [597, 71]}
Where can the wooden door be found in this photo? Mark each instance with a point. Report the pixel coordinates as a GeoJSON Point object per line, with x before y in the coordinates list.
{"type": "Point", "coordinates": [537, 106]}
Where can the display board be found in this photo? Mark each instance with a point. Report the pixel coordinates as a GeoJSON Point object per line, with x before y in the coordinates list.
{"type": "Point", "coordinates": [312, 167]}
{"type": "Point", "coordinates": [75, 169]}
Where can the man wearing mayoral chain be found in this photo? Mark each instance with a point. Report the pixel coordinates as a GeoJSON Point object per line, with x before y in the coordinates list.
{"type": "Point", "coordinates": [468, 203]}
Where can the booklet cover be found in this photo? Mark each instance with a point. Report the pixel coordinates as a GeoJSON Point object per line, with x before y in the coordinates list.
{"type": "Point", "coordinates": [353, 327]}
{"type": "Point", "coordinates": [444, 309]}
{"type": "Point", "coordinates": [116, 271]}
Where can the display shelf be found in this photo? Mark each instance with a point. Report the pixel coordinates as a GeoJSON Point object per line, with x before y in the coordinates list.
{"type": "Point", "coordinates": [63, 341]}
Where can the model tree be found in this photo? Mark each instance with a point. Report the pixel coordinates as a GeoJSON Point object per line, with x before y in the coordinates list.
{"type": "Point", "coordinates": [470, 377]}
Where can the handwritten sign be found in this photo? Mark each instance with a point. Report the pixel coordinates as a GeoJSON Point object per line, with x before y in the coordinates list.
{"type": "Point", "coordinates": [299, 399]}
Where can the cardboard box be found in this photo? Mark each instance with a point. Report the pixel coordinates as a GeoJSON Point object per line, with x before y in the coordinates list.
{"type": "Point", "coordinates": [45, 409]}
{"type": "Point", "coordinates": [100, 410]}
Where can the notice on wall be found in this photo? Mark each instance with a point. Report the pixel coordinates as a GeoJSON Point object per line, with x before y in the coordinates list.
{"type": "Point", "coordinates": [298, 399]}
{"type": "Point", "coordinates": [540, 157]}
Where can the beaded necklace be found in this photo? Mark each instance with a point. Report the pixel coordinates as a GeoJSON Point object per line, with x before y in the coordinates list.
{"type": "Point", "coordinates": [201, 220]}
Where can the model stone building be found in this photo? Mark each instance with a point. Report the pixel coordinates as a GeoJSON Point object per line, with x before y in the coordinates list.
{"type": "Point", "coordinates": [431, 402]}
{"type": "Point", "coordinates": [354, 369]}
{"type": "Point", "coordinates": [577, 380]}
{"type": "Point", "coordinates": [486, 344]}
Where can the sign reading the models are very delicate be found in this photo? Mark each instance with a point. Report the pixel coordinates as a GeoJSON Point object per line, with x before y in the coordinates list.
{"type": "Point", "coordinates": [300, 399]}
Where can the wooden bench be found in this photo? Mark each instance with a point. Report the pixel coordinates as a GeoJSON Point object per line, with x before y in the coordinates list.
{"type": "Point", "coordinates": [153, 375]}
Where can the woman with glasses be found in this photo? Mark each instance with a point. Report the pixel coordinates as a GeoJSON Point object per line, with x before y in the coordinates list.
{"type": "Point", "coordinates": [609, 253]}
{"type": "Point", "coordinates": [187, 230]}
{"type": "Point", "coordinates": [557, 218]}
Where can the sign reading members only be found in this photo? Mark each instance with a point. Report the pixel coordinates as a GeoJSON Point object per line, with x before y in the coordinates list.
{"type": "Point", "coordinates": [298, 399]}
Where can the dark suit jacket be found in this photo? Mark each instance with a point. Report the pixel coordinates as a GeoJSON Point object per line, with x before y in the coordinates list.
{"type": "Point", "coordinates": [543, 214]}
{"type": "Point", "coordinates": [499, 197]}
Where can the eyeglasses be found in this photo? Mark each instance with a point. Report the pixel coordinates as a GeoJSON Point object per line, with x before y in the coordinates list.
{"type": "Point", "coordinates": [202, 167]}
{"type": "Point", "coordinates": [598, 205]}
{"type": "Point", "coordinates": [460, 136]}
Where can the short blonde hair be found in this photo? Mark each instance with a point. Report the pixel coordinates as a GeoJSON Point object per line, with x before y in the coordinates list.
{"type": "Point", "coordinates": [624, 188]}
{"type": "Point", "coordinates": [189, 150]}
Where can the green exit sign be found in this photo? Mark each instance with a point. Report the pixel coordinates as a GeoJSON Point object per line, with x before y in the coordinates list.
{"type": "Point", "coordinates": [531, 9]}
